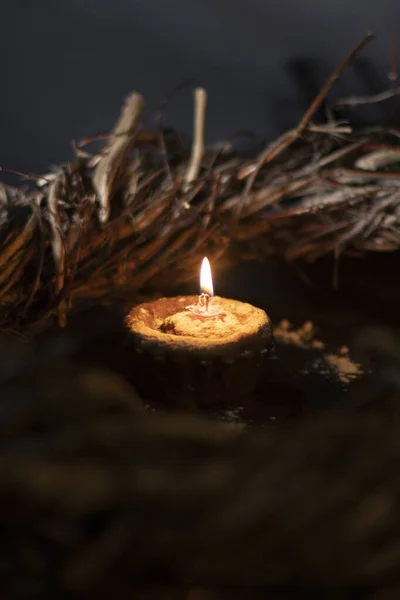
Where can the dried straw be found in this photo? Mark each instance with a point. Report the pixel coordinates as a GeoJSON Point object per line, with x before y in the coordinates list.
{"type": "Point", "coordinates": [142, 212]}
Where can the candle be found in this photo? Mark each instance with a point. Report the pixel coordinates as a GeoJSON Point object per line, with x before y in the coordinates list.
{"type": "Point", "coordinates": [198, 350]}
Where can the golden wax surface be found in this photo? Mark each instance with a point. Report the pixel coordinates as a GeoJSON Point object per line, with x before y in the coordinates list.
{"type": "Point", "coordinates": [167, 323]}
{"type": "Point", "coordinates": [187, 323]}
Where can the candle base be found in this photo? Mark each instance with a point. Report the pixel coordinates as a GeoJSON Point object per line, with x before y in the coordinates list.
{"type": "Point", "coordinates": [181, 361]}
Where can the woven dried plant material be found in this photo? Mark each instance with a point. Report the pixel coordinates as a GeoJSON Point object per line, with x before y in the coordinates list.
{"type": "Point", "coordinates": [139, 215]}
{"type": "Point", "coordinates": [192, 361]}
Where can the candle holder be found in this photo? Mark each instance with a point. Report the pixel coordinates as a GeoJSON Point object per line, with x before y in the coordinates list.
{"type": "Point", "coordinates": [190, 353]}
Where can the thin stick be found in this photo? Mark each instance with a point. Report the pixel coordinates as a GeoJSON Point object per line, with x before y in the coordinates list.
{"type": "Point", "coordinates": [267, 155]}
{"type": "Point", "coordinates": [121, 142]}
{"type": "Point", "coordinates": [200, 104]}
{"type": "Point", "coordinates": [378, 159]}
{"type": "Point", "coordinates": [375, 98]}
{"type": "Point", "coordinates": [332, 79]}
{"type": "Point", "coordinates": [58, 247]}
{"type": "Point", "coordinates": [31, 176]}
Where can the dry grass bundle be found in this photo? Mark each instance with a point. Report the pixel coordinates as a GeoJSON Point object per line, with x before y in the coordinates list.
{"type": "Point", "coordinates": [141, 212]}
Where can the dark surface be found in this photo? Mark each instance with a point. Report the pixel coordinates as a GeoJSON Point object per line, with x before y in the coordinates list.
{"type": "Point", "coordinates": [99, 498]}
{"type": "Point", "coordinates": [111, 499]}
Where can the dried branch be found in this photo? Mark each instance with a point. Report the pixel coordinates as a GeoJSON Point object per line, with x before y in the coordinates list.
{"type": "Point", "coordinates": [316, 197]}
{"type": "Point", "coordinates": [200, 104]}
{"type": "Point", "coordinates": [273, 151]}
{"type": "Point", "coordinates": [105, 178]}
{"type": "Point", "coordinates": [361, 100]}
{"type": "Point", "coordinates": [378, 159]}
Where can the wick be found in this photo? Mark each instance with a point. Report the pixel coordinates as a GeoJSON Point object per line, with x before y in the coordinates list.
{"type": "Point", "coordinates": [204, 301]}
{"type": "Point", "coordinates": [204, 307]}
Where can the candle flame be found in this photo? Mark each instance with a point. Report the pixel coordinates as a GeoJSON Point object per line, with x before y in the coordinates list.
{"type": "Point", "coordinates": [205, 308]}
{"type": "Point", "coordinates": [206, 282]}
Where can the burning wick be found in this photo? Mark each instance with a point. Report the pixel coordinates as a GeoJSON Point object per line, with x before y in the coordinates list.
{"type": "Point", "coordinates": [204, 306]}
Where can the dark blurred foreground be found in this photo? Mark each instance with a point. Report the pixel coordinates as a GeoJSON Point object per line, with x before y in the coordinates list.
{"type": "Point", "coordinates": [101, 498]}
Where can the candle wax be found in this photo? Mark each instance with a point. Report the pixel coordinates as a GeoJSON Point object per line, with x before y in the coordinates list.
{"type": "Point", "coordinates": [188, 323]}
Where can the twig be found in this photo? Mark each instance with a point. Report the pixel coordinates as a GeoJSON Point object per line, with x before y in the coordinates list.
{"type": "Point", "coordinates": [378, 159]}
{"type": "Point", "coordinates": [35, 204]}
{"type": "Point", "coordinates": [105, 175]}
{"type": "Point", "coordinates": [332, 79]}
{"type": "Point", "coordinates": [360, 174]}
{"type": "Point", "coordinates": [58, 247]}
{"type": "Point", "coordinates": [200, 99]}
{"type": "Point", "coordinates": [270, 154]}
{"type": "Point", "coordinates": [360, 100]}
{"type": "Point", "coordinates": [331, 128]}
{"type": "Point", "coordinates": [14, 245]}
{"type": "Point", "coordinates": [30, 176]}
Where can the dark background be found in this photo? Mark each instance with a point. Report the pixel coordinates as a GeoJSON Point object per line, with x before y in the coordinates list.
{"type": "Point", "coordinates": [66, 65]}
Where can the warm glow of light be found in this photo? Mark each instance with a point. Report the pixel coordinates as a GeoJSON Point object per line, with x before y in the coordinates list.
{"type": "Point", "coordinates": [206, 282]}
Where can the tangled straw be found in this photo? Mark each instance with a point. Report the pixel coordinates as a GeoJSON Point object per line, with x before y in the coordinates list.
{"type": "Point", "coordinates": [139, 214]}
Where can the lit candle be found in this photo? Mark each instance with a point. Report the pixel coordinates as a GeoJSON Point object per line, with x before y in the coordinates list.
{"type": "Point", "coordinates": [198, 350]}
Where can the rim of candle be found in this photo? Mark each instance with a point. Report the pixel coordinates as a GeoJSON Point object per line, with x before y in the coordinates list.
{"type": "Point", "coordinates": [144, 319]}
